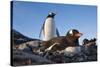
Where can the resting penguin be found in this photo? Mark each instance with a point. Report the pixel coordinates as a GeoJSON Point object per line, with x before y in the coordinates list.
{"type": "Point", "coordinates": [49, 29]}
{"type": "Point", "coordinates": [62, 42]}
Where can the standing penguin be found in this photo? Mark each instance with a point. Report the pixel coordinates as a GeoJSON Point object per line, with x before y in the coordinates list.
{"type": "Point", "coordinates": [49, 29]}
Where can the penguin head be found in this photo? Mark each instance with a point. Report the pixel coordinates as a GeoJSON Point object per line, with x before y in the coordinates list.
{"type": "Point", "coordinates": [51, 14]}
{"type": "Point", "coordinates": [73, 33]}
{"type": "Point", "coordinates": [85, 41]}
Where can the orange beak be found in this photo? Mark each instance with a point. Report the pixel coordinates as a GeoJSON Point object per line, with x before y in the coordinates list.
{"type": "Point", "coordinates": [79, 34]}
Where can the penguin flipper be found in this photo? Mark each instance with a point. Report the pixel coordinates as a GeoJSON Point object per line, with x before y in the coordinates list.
{"type": "Point", "coordinates": [40, 33]}
{"type": "Point", "coordinates": [57, 32]}
{"type": "Point", "coordinates": [42, 30]}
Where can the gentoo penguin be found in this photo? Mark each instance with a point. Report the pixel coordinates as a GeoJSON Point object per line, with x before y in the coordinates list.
{"type": "Point", "coordinates": [62, 42]}
{"type": "Point", "coordinates": [89, 47]}
{"type": "Point", "coordinates": [49, 29]}
{"type": "Point", "coordinates": [88, 43]}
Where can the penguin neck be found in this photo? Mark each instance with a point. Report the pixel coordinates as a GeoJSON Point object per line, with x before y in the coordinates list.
{"type": "Point", "coordinates": [72, 38]}
{"type": "Point", "coordinates": [49, 16]}
{"type": "Point", "coordinates": [77, 42]}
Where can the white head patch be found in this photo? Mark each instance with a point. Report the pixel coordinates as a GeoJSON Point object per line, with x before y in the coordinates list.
{"type": "Point", "coordinates": [50, 13]}
{"type": "Point", "coordinates": [71, 32]}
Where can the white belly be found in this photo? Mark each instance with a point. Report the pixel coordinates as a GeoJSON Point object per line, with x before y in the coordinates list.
{"type": "Point", "coordinates": [49, 29]}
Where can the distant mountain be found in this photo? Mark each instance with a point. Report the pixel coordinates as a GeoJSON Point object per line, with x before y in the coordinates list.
{"type": "Point", "coordinates": [19, 38]}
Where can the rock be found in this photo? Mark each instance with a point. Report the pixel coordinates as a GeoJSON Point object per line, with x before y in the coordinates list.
{"type": "Point", "coordinates": [33, 56]}
{"type": "Point", "coordinates": [71, 51]}
{"type": "Point", "coordinates": [24, 58]}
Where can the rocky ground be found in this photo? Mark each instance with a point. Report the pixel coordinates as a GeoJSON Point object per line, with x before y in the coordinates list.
{"type": "Point", "coordinates": [29, 54]}
{"type": "Point", "coordinates": [28, 57]}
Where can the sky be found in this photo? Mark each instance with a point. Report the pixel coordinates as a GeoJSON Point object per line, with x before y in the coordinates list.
{"type": "Point", "coordinates": [28, 18]}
